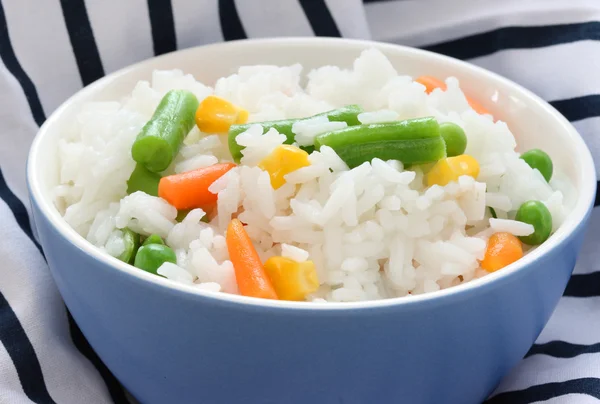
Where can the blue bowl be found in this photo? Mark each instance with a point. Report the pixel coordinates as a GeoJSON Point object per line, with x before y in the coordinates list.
{"type": "Point", "coordinates": [170, 343]}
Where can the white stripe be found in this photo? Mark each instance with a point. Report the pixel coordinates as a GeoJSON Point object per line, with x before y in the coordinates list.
{"type": "Point", "coordinates": [540, 369]}
{"type": "Point", "coordinates": [418, 23]}
{"type": "Point", "coordinates": [589, 129]}
{"type": "Point", "coordinates": [589, 258]}
{"type": "Point", "coordinates": [350, 18]}
{"type": "Point", "coordinates": [41, 43]}
{"type": "Point", "coordinates": [575, 320]}
{"type": "Point", "coordinates": [279, 18]}
{"type": "Point", "coordinates": [17, 129]}
{"type": "Point", "coordinates": [122, 32]}
{"type": "Point", "coordinates": [570, 399]}
{"type": "Point", "coordinates": [69, 376]}
{"type": "Point", "coordinates": [196, 22]}
{"type": "Point", "coordinates": [11, 391]}
{"type": "Point", "coordinates": [542, 70]}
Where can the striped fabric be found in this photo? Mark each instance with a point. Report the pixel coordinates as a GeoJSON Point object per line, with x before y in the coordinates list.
{"type": "Point", "coordinates": [51, 49]}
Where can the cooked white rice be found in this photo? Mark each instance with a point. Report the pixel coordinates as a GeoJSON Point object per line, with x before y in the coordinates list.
{"type": "Point", "coordinates": [373, 232]}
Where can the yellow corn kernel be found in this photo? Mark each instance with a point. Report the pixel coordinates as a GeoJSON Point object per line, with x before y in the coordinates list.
{"type": "Point", "coordinates": [292, 280]}
{"type": "Point", "coordinates": [451, 168]}
{"type": "Point", "coordinates": [283, 160]}
{"type": "Point", "coordinates": [216, 115]}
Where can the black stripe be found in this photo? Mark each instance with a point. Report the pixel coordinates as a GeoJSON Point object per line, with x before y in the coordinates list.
{"type": "Point", "coordinates": [597, 201]}
{"type": "Point", "coordinates": [583, 285]}
{"type": "Point", "coordinates": [589, 386]}
{"type": "Point", "coordinates": [562, 349]}
{"type": "Point", "coordinates": [82, 40]}
{"type": "Point", "coordinates": [17, 208]}
{"type": "Point", "coordinates": [163, 26]}
{"type": "Point", "coordinates": [320, 18]}
{"type": "Point", "coordinates": [231, 25]}
{"type": "Point", "coordinates": [114, 387]}
{"type": "Point", "coordinates": [22, 219]}
{"type": "Point", "coordinates": [19, 348]}
{"type": "Point", "coordinates": [489, 42]}
{"type": "Point", "coordinates": [576, 109]}
{"type": "Point", "coordinates": [11, 62]}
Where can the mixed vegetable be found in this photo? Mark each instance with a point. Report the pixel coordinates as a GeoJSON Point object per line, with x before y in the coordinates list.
{"type": "Point", "coordinates": [412, 141]}
{"type": "Point", "coordinates": [348, 114]}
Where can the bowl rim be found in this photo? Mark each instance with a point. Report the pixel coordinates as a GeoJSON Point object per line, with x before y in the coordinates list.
{"type": "Point", "coordinates": [575, 219]}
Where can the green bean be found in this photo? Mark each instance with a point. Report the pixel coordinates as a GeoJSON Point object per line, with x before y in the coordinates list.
{"type": "Point", "coordinates": [493, 212]}
{"type": "Point", "coordinates": [348, 114]}
{"type": "Point", "coordinates": [153, 239]}
{"type": "Point", "coordinates": [455, 138]}
{"type": "Point", "coordinates": [151, 256]}
{"type": "Point", "coordinates": [142, 179]}
{"type": "Point", "coordinates": [131, 241]}
{"type": "Point", "coordinates": [181, 214]}
{"type": "Point", "coordinates": [536, 214]}
{"type": "Point", "coordinates": [413, 141]}
{"type": "Point", "coordinates": [160, 139]}
{"type": "Point", "coordinates": [537, 158]}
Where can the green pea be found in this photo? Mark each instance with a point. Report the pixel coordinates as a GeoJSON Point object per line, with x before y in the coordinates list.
{"type": "Point", "coordinates": [537, 158]}
{"type": "Point", "coordinates": [455, 138]}
{"type": "Point", "coordinates": [131, 241]}
{"type": "Point", "coordinates": [153, 239]}
{"type": "Point", "coordinates": [151, 256]}
{"type": "Point", "coordinates": [536, 214]}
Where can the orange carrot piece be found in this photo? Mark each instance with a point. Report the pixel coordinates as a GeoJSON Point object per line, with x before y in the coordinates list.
{"type": "Point", "coordinates": [189, 190]}
{"type": "Point", "coordinates": [250, 274]}
{"type": "Point", "coordinates": [431, 83]}
{"type": "Point", "coordinates": [477, 107]}
{"type": "Point", "coordinates": [503, 249]}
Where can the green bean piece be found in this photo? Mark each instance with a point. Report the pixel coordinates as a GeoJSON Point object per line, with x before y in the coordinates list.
{"type": "Point", "coordinates": [536, 214]}
{"type": "Point", "coordinates": [131, 240]}
{"type": "Point", "coordinates": [413, 141]}
{"type": "Point", "coordinates": [141, 179]}
{"type": "Point", "coordinates": [151, 256]}
{"type": "Point", "coordinates": [348, 114]}
{"type": "Point", "coordinates": [493, 212]}
{"type": "Point", "coordinates": [537, 158]}
{"type": "Point", "coordinates": [455, 138]}
{"type": "Point", "coordinates": [153, 239]}
{"type": "Point", "coordinates": [181, 214]}
{"type": "Point", "coordinates": [160, 139]}
{"type": "Point", "coordinates": [308, 149]}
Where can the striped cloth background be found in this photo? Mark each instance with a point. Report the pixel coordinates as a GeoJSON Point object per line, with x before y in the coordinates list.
{"type": "Point", "coordinates": [51, 49]}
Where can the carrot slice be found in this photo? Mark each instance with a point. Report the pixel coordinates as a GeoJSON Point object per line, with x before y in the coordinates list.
{"type": "Point", "coordinates": [189, 190]}
{"type": "Point", "coordinates": [431, 83]}
{"type": "Point", "coordinates": [502, 249]}
{"type": "Point", "coordinates": [477, 107]}
{"type": "Point", "coordinates": [250, 274]}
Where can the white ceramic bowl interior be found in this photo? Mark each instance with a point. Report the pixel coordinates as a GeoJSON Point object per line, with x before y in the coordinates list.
{"type": "Point", "coordinates": [533, 122]}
